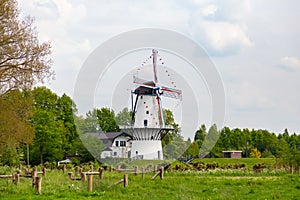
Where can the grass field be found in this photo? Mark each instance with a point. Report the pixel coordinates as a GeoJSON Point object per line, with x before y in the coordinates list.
{"type": "Point", "coordinates": [213, 184]}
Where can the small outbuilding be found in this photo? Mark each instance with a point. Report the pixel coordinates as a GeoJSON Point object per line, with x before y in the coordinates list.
{"type": "Point", "coordinates": [232, 154]}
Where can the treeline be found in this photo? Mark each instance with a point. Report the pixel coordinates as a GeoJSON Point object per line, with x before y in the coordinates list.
{"type": "Point", "coordinates": [38, 126]}
{"type": "Point", "coordinates": [253, 143]}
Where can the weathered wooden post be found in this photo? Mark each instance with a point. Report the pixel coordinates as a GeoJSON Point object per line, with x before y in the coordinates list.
{"type": "Point", "coordinates": [76, 171]}
{"type": "Point", "coordinates": [90, 183]}
{"type": "Point", "coordinates": [64, 168]}
{"type": "Point", "coordinates": [111, 168]}
{"type": "Point", "coordinates": [16, 178]}
{"type": "Point", "coordinates": [20, 167]}
{"type": "Point", "coordinates": [119, 168]}
{"type": "Point", "coordinates": [33, 175]}
{"type": "Point", "coordinates": [70, 174]}
{"type": "Point", "coordinates": [26, 171]}
{"type": "Point", "coordinates": [292, 169]}
{"type": "Point", "coordinates": [101, 173]}
{"type": "Point", "coordinates": [161, 175]}
{"type": "Point", "coordinates": [143, 172]}
{"type": "Point", "coordinates": [80, 170]}
{"type": "Point", "coordinates": [91, 168]}
{"type": "Point", "coordinates": [44, 171]}
{"type": "Point", "coordinates": [83, 176]}
{"type": "Point", "coordinates": [125, 180]}
{"type": "Point", "coordinates": [136, 170]}
{"type": "Point", "coordinates": [38, 184]}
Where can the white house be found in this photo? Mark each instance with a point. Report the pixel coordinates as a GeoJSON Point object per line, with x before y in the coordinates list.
{"type": "Point", "coordinates": [117, 144]}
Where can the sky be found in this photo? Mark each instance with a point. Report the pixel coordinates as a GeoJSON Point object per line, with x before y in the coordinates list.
{"type": "Point", "coordinates": [254, 45]}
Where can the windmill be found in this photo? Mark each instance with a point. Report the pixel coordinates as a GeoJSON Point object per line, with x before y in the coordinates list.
{"type": "Point", "coordinates": [148, 128]}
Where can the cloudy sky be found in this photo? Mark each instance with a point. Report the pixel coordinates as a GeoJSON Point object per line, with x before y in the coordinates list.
{"type": "Point", "coordinates": [255, 46]}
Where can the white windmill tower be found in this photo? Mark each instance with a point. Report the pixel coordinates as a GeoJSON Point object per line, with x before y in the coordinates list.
{"type": "Point", "coordinates": [148, 126]}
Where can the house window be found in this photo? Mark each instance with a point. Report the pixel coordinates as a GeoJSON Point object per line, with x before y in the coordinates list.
{"type": "Point", "coordinates": [117, 143]}
{"type": "Point", "coordinates": [145, 122]}
{"type": "Point", "coordinates": [122, 144]}
{"type": "Point", "coordinates": [115, 153]}
{"type": "Point", "coordinates": [147, 112]}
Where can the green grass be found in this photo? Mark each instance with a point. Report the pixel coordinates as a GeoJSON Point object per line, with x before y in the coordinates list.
{"type": "Point", "coordinates": [249, 162]}
{"type": "Point", "coordinates": [215, 184]}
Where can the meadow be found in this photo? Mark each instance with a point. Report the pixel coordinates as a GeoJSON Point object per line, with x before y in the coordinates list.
{"type": "Point", "coordinates": [188, 184]}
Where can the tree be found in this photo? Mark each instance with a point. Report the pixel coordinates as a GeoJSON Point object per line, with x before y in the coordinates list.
{"type": "Point", "coordinates": [23, 61]}
{"type": "Point", "coordinates": [169, 121]}
{"type": "Point", "coordinates": [48, 128]}
{"type": "Point", "coordinates": [123, 118]}
{"type": "Point", "coordinates": [193, 150]}
{"type": "Point", "coordinates": [67, 108]}
{"type": "Point", "coordinates": [106, 119]}
{"type": "Point", "coordinates": [255, 153]}
{"type": "Point", "coordinates": [15, 128]}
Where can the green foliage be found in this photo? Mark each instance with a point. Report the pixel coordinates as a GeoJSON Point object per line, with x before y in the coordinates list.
{"type": "Point", "coordinates": [15, 128]}
{"type": "Point", "coordinates": [106, 119]}
{"type": "Point", "coordinates": [193, 149]}
{"type": "Point", "coordinates": [123, 118]}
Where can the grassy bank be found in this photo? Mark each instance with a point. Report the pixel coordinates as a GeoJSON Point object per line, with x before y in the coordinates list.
{"type": "Point", "coordinates": [213, 184]}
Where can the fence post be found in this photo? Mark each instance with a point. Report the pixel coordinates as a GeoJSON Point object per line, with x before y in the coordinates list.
{"type": "Point", "coordinates": [125, 180]}
{"type": "Point", "coordinates": [70, 174]}
{"type": "Point", "coordinates": [33, 175]}
{"type": "Point", "coordinates": [143, 172]}
{"type": "Point", "coordinates": [76, 171]}
{"type": "Point", "coordinates": [101, 173]}
{"type": "Point", "coordinates": [91, 168]}
{"type": "Point", "coordinates": [83, 176]}
{"type": "Point", "coordinates": [38, 184]}
{"type": "Point", "coordinates": [161, 175]}
{"type": "Point", "coordinates": [16, 178]}
{"type": "Point", "coordinates": [80, 170]}
{"type": "Point", "coordinates": [90, 183]}
{"type": "Point", "coordinates": [26, 171]}
{"type": "Point", "coordinates": [111, 168]}
{"type": "Point", "coordinates": [44, 171]}
{"type": "Point", "coordinates": [292, 169]}
{"type": "Point", "coordinates": [20, 167]}
{"type": "Point", "coordinates": [64, 168]}
{"type": "Point", "coordinates": [136, 170]}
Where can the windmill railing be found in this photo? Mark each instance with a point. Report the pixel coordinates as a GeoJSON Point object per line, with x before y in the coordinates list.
{"type": "Point", "coordinates": [159, 127]}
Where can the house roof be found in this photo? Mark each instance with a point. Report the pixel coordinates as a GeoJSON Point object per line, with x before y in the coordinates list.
{"type": "Point", "coordinates": [107, 149]}
{"type": "Point", "coordinates": [108, 135]}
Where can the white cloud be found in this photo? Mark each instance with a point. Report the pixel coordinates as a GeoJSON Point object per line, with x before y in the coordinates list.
{"type": "Point", "coordinates": [290, 62]}
{"type": "Point", "coordinates": [220, 27]}
{"type": "Point", "coordinates": [224, 36]}
{"type": "Point", "coordinates": [209, 10]}
{"type": "Point", "coordinates": [70, 13]}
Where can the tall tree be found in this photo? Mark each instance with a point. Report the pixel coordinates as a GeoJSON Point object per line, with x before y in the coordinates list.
{"type": "Point", "coordinates": [48, 128]}
{"type": "Point", "coordinates": [23, 61]}
{"type": "Point", "coordinates": [15, 128]}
